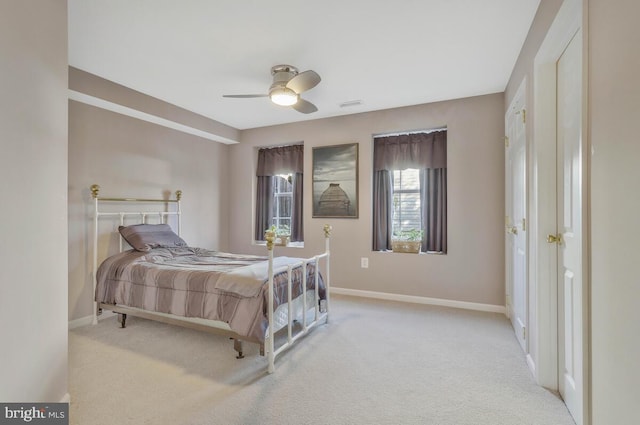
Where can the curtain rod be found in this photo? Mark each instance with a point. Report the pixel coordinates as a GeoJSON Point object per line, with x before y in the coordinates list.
{"type": "Point", "coordinates": [431, 130]}
{"type": "Point", "coordinates": [281, 146]}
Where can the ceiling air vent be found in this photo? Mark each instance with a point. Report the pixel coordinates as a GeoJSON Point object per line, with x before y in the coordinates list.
{"type": "Point", "coordinates": [350, 103]}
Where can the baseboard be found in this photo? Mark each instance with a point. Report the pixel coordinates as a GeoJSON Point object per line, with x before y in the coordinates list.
{"type": "Point", "coordinates": [66, 398]}
{"type": "Point", "coordinates": [420, 300]}
{"type": "Point", "coordinates": [87, 320]}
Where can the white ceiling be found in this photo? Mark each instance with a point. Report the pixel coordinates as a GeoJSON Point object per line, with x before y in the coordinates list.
{"type": "Point", "coordinates": [385, 53]}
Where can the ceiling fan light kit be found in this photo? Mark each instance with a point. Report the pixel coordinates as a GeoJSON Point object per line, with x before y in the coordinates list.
{"type": "Point", "coordinates": [283, 96]}
{"type": "Point", "coordinates": [287, 85]}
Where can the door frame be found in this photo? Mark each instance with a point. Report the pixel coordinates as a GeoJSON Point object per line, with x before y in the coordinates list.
{"type": "Point", "coordinates": [543, 220]}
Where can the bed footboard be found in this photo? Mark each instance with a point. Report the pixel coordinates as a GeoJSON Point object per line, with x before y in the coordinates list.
{"type": "Point", "coordinates": [318, 315]}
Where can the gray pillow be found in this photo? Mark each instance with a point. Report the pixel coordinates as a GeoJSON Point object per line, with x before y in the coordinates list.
{"type": "Point", "coordinates": [145, 237]}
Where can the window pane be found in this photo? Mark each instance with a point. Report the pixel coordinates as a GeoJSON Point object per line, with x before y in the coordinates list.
{"type": "Point", "coordinates": [282, 201]}
{"type": "Point", "coordinates": [282, 206]}
{"type": "Point", "coordinates": [408, 179]}
{"type": "Point", "coordinates": [282, 183]}
{"type": "Point", "coordinates": [406, 201]}
{"type": "Point", "coordinates": [285, 223]}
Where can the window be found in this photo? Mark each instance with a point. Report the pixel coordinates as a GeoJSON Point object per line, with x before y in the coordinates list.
{"type": "Point", "coordinates": [282, 201]}
{"type": "Point", "coordinates": [410, 189]}
{"type": "Point", "coordinates": [279, 191]}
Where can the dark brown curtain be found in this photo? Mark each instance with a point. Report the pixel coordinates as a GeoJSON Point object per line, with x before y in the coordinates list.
{"type": "Point", "coordinates": [426, 152]}
{"type": "Point", "coordinates": [264, 206]}
{"type": "Point", "coordinates": [417, 150]}
{"type": "Point", "coordinates": [433, 188]}
{"type": "Point", "coordinates": [382, 209]}
{"type": "Point", "coordinates": [297, 231]}
{"type": "Point", "coordinates": [272, 162]}
{"type": "Point", "coordinates": [280, 160]}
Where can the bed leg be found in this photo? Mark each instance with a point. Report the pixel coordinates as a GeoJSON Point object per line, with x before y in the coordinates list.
{"type": "Point", "coordinates": [237, 345]}
{"type": "Point", "coordinates": [262, 349]}
{"type": "Point", "coordinates": [122, 318]}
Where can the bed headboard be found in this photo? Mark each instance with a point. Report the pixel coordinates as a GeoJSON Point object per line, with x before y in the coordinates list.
{"type": "Point", "coordinates": [161, 209]}
{"type": "Point", "coordinates": [143, 216]}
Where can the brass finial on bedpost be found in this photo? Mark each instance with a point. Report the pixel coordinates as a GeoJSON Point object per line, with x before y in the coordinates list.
{"type": "Point", "coordinates": [94, 191]}
{"type": "Point", "coordinates": [178, 194]}
{"type": "Point", "coordinates": [270, 237]}
{"type": "Point", "coordinates": [327, 230]}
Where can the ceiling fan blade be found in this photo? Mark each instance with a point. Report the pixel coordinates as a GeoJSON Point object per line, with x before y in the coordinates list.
{"type": "Point", "coordinates": [304, 81]}
{"type": "Point", "coordinates": [304, 106]}
{"type": "Point", "coordinates": [244, 96]}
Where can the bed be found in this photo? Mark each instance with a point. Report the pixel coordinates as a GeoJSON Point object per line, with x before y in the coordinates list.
{"type": "Point", "coordinates": [248, 298]}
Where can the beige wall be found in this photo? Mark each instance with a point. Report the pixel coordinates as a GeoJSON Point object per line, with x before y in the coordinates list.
{"type": "Point", "coordinates": [33, 189]}
{"type": "Point", "coordinates": [614, 97]}
{"type": "Point", "coordinates": [128, 157]}
{"type": "Point", "coordinates": [473, 269]}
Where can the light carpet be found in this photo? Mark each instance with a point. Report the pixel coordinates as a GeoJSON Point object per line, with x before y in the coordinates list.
{"type": "Point", "coordinates": [375, 362]}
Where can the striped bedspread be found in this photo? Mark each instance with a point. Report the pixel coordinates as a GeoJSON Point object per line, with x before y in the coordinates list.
{"type": "Point", "coordinates": [194, 282]}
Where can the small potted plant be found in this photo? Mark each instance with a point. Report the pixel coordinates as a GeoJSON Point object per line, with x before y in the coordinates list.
{"type": "Point", "coordinates": [407, 241]}
{"type": "Point", "coordinates": [282, 234]}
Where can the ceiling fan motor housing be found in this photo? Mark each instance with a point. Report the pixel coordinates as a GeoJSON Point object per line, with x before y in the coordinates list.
{"type": "Point", "coordinates": [281, 75]}
{"type": "Point", "coordinates": [284, 68]}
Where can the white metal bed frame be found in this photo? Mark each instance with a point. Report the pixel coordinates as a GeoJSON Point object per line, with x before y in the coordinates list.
{"type": "Point", "coordinates": [213, 326]}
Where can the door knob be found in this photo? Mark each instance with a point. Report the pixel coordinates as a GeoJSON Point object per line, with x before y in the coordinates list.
{"type": "Point", "coordinates": [513, 230]}
{"type": "Point", "coordinates": [554, 239]}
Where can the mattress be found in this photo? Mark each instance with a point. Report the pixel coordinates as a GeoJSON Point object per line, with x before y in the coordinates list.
{"type": "Point", "coordinates": [199, 283]}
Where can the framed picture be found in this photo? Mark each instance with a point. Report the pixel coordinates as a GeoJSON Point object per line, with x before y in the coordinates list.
{"type": "Point", "coordinates": [335, 181]}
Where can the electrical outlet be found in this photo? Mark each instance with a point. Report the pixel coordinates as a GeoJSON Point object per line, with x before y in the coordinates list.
{"type": "Point", "coordinates": [364, 262]}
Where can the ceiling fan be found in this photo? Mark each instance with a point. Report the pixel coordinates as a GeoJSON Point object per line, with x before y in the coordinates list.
{"type": "Point", "coordinates": [287, 85]}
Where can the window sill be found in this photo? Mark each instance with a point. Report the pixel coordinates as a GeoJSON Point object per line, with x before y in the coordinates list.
{"type": "Point", "coordinates": [289, 245]}
{"type": "Point", "coordinates": [413, 253]}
